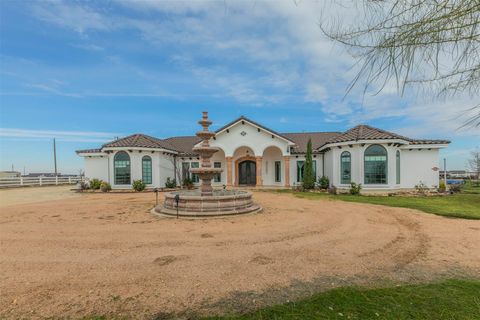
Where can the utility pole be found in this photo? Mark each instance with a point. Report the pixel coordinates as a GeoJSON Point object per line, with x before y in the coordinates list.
{"type": "Point", "coordinates": [55, 156]}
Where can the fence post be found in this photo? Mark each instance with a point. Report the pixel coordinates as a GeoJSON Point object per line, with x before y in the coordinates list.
{"type": "Point", "coordinates": [56, 180]}
{"type": "Point", "coordinates": [40, 180]}
{"type": "Point", "coordinates": [21, 181]}
{"type": "Point", "coordinates": [69, 180]}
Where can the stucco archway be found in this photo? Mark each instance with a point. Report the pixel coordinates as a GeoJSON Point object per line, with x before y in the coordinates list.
{"type": "Point", "coordinates": [273, 165]}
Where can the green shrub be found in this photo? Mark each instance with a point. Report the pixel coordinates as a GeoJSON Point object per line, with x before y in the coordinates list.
{"type": "Point", "coordinates": [171, 183]}
{"type": "Point", "coordinates": [105, 186]}
{"type": "Point", "coordinates": [84, 185]}
{"type": "Point", "coordinates": [323, 183]}
{"type": "Point", "coordinates": [95, 184]}
{"type": "Point", "coordinates": [355, 188]}
{"type": "Point", "coordinates": [421, 188]}
{"type": "Point", "coordinates": [441, 186]}
{"type": "Point", "coordinates": [455, 188]}
{"type": "Point", "coordinates": [187, 183]}
{"type": "Point", "coordinates": [138, 185]}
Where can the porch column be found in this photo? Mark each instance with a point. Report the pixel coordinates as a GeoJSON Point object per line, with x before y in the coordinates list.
{"type": "Point", "coordinates": [286, 164]}
{"type": "Point", "coordinates": [229, 171]}
{"type": "Point", "coordinates": [258, 163]}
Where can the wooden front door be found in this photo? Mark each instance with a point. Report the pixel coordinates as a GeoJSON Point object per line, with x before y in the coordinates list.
{"type": "Point", "coordinates": [247, 173]}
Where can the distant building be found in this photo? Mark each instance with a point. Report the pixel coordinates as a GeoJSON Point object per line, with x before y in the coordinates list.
{"type": "Point", "coordinates": [461, 174]}
{"type": "Point", "coordinates": [9, 174]}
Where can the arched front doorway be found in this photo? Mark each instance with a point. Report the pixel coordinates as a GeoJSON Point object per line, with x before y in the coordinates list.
{"type": "Point", "coordinates": [247, 173]}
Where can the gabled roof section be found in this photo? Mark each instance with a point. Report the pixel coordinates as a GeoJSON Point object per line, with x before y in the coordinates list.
{"type": "Point", "coordinates": [183, 144]}
{"type": "Point", "coordinates": [365, 132]}
{"type": "Point", "coordinates": [301, 139]}
{"type": "Point", "coordinates": [139, 140]}
{"type": "Point", "coordinates": [243, 118]}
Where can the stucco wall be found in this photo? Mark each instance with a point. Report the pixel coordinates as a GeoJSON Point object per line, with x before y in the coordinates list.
{"type": "Point", "coordinates": [416, 166]}
{"type": "Point", "coordinates": [96, 167]}
{"type": "Point", "coordinates": [162, 168]}
{"type": "Point", "coordinates": [257, 141]}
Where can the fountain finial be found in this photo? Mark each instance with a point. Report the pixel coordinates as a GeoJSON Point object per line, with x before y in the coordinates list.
{"type": "Point", "coordinates": [206, 172]}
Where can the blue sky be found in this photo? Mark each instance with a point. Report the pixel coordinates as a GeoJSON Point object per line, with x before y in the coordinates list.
{"type": "Point", "coordinates": [85, 72]}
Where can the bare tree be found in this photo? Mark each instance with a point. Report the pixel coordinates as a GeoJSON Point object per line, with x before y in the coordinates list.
{"type": "Point", "coordinates": [431, 43]}
{"type": "Point", "coordinates": [474, 162]}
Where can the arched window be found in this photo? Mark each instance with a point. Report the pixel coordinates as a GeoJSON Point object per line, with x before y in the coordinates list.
{"type": "Point", "coordinates": [345, 167]}
{"type": "Point", "coordinates": [398, 166]}
{"type": "Point", "coordinates": [147, 170]}
{"type": "Point", "coordinates": [375, 164]}
{"type": "Point", "coordinates": [121, 164]}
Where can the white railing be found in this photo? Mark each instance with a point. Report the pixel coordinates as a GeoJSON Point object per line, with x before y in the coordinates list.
{"type": "Point", "coordinates": [38, 181]}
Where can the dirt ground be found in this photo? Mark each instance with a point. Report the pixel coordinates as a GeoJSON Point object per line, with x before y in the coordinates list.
{"type": "Point", "coordinates": [91, 254]}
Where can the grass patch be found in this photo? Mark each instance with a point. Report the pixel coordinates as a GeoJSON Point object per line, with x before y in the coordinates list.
{"type": "Point", "coordinates": [470, 187]}
{"type": "Point", "coordinates": [450, 299]}
{"type": "Point", "coordinates": [462, 205]}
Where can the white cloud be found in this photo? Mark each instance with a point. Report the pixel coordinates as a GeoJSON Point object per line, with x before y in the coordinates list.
{"type": "Point", "coordinates": [259, 53]}
{"type": "Point", "coordinates": [70, 136]}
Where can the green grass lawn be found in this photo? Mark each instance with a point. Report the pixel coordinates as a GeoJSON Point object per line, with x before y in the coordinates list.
{"type": "Point", "coordinates": [462, 205]}
{"type": "Point", "coordinates": [450, 299]}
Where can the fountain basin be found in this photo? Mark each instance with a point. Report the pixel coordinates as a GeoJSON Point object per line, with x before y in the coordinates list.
{"type": "Point", "coordinates": [221, 203]}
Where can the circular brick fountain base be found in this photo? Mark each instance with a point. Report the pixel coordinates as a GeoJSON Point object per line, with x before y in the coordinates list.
{"type": "Point", "coordinates": [221, 203]}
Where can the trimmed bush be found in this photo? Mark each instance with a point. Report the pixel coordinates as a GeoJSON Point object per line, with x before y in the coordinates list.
{"type": "Point", "coordinates": [188, 183]}
{"type": "Point", "coordinates": [105, 186]}
{"type": "Point", "coordinates": [332, 190]}
{"type": "Point", "coordinates": [442, 187]}
{"type": "Point", "coordinates": [95, 184]}
{"type": "Point", "coordinates": [138, 185]}
{"type": "Point", "coordinates": [324, 183]}
{"type": "Point", "coordinates": [355, 188]}
{"type": "Point", "coordinates": [171, 183]}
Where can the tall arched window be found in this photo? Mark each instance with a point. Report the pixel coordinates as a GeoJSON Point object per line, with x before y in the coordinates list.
{"type": "Point", "coordinates": [147, 170]}
{"type": "Point", "coordinates": [375, 165]}
{"type": "Point", "coordinates": [398, 166]}
{"type": "Point", "coordinates": [121, 165]}
{"type": "Point", "coordinates": [345, 167]}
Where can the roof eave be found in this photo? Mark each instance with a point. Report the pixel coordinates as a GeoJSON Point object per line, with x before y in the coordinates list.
{"type": "Point", "coordinates": [139, 149]}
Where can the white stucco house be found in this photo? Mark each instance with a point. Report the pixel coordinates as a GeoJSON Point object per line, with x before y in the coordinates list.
{"type": "Point", "coordinates": [254, 155]}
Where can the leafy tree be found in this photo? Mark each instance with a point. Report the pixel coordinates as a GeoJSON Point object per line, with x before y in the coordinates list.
{"type": "Point", "coordinates": [474, 162]}
{"type": "Point", "coordinates": [433, 44]}
{"type": "Point", "coordinates": [308, 176]}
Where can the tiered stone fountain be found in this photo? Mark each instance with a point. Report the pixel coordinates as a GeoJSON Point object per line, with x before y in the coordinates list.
{"type": "Point", "coordinates": [207, 202]}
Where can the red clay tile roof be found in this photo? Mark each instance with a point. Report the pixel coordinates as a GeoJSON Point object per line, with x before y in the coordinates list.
{"type": "Point", "coordinates": [364, 132]}
{"type": "Point", "coordinates": [183, 144]}
{"type": "Point", "coordinates": [301, 139]}
{"type": "Point", "coordinates": [140, 141]}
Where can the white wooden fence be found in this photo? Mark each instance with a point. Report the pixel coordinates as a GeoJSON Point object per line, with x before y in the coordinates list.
{"type": "Point", "coordinates": [38, 181]}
